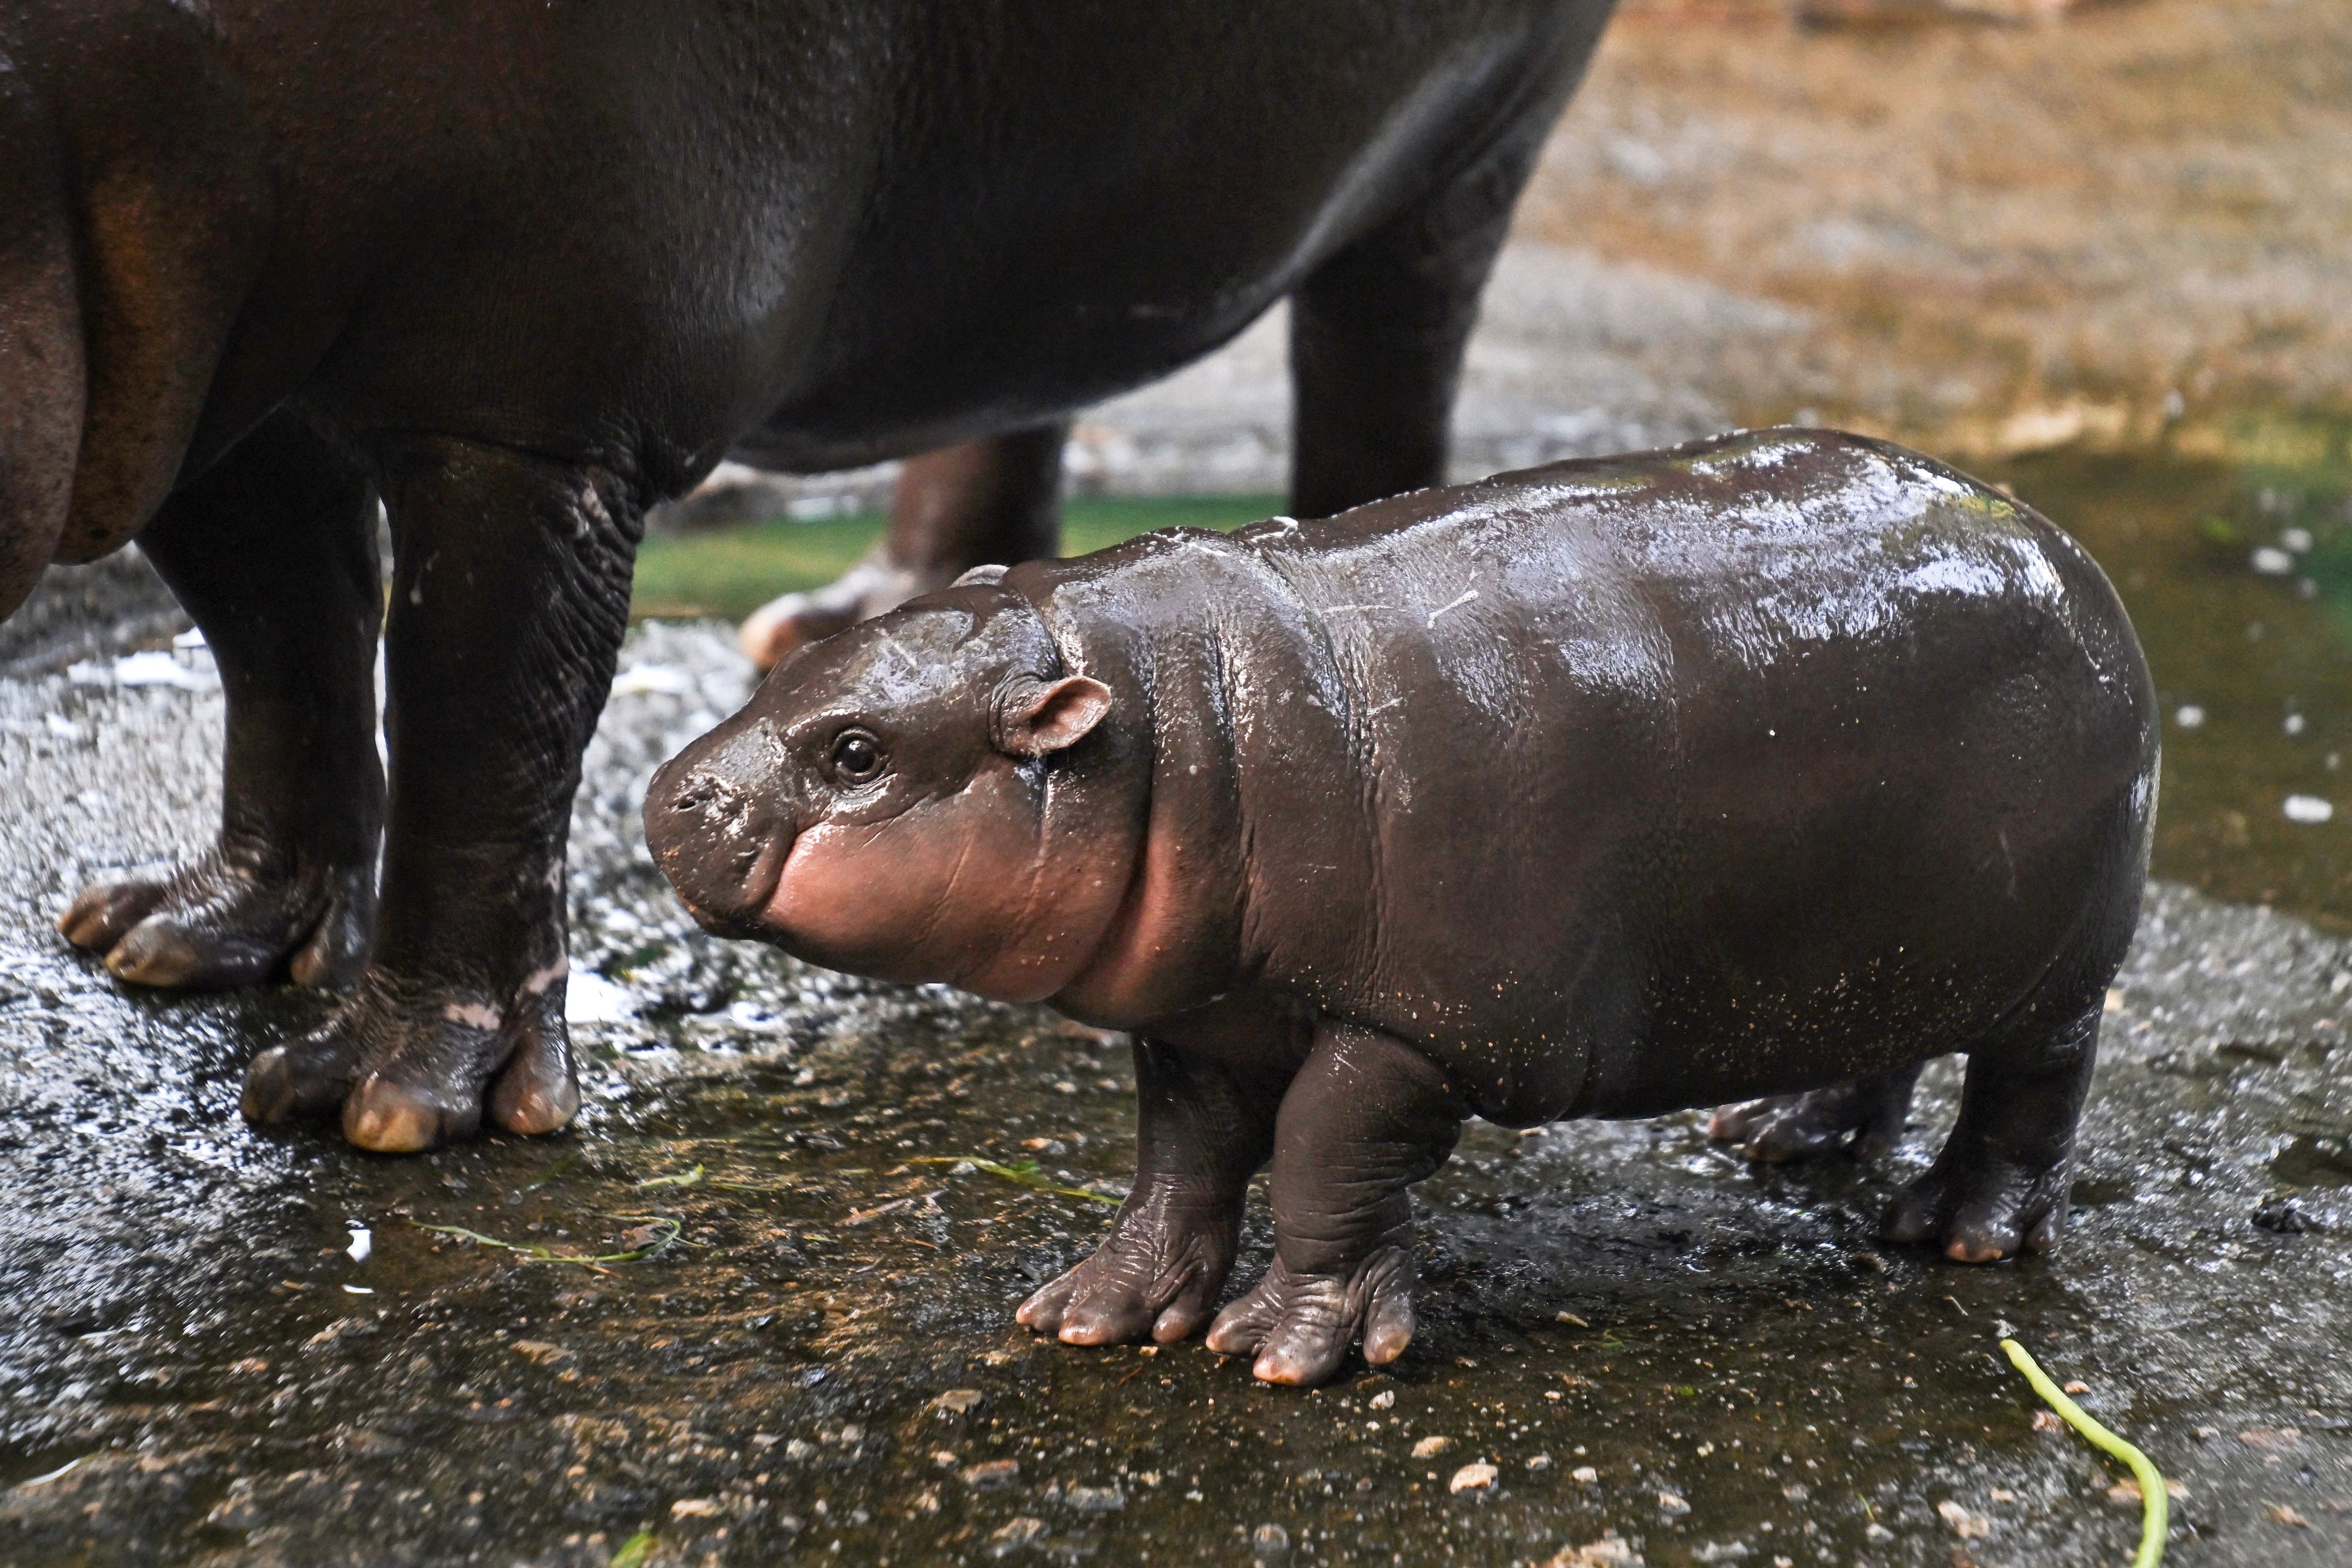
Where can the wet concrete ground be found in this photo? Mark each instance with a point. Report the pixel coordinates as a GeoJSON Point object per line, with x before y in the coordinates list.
{"type": "Point", "coordinates": [800, 1347]}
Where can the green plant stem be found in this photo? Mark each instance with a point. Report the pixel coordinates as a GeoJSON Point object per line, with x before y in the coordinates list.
{"type": "Point", "coordinates": [2156, 1502]}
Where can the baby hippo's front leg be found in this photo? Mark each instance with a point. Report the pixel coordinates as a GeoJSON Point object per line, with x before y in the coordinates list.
{"type": "Point", "coordinates": [1366, 1118]}
{"type": "Point", "coordinates": [1203, 1129]}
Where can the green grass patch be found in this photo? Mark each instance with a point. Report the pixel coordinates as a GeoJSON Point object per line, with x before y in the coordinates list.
{"type": "Point", "coordinates": [731, 572]}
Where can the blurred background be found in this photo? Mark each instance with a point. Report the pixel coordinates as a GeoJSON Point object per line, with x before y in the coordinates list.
{"type": "Point", "coordinates": [2096, 253]}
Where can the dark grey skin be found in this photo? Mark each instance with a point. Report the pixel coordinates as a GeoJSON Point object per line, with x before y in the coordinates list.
{"type": "Point", "coordinates": [1773, 766]}
{"type": "Point", "coordinates": [520, 270]}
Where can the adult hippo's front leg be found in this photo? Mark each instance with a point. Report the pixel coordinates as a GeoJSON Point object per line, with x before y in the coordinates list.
{"type": "Point", "coordinates": [1203, 1129]}
{"type": "Point", "coordinates": [1366, 1118]}
{"type": "Point", "coordinates": [510, 594]}
{"type": "Point", "coordinates": [273, 554]}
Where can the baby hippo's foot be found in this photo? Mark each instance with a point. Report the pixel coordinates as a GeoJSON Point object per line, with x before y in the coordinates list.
{"type": "Point", "coordinates": [1981, 1212]}
{"type": "Point", "coordinates": [1864, 1117]}
{"type": "Point", "coordinates": [228, 918]}
{"type": "Point", "coordinates": [1157, 1273]}
{"type": "Point", "coordinates": [866, 590]}
{"type": "Point", "coordinates": [1299, 1326]}
{"type": "Point", "coordinates": [408, 1071]}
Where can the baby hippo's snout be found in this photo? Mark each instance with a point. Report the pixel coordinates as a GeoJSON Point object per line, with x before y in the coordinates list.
{"type": "Point", "coordinates": [720, 828]}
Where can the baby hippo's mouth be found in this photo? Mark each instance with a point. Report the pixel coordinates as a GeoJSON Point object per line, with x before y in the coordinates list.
{"type": "Point", "coordinates": [721, 843]}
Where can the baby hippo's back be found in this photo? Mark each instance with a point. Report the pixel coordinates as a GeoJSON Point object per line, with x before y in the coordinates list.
{"type": "Point", "coordinates": [1630, 784]}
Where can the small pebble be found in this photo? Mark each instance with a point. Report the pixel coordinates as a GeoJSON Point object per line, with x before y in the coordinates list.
{"type": "Point", "coordinates": [2189, 717]}
{"type": "Point", "coordinates": [1384, 1399]}
{"type": "Point", "coordinates": [1474, 1477]}
{"type": "Point", "coordinates": [1270, 1541]}
{"type": "Point", "coordinates": [1584, 1473]}
{"type": "Point", "coordinates": [2308, 809]}
{"type": "Point", "coordinates": [1964, 1524]}
{"type": "Point", "coordinates": [1429, 1447]}
{"type": "Point", "coordinates": [1673, 1503]}
{"type": "Point", "coordinates": [991, 1474]}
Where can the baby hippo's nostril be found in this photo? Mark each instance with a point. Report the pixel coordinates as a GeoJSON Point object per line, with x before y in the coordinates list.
{"type": "Point", "coordinates": [694, 794]}
{"type": "Point", "coordinates": [718, 838]}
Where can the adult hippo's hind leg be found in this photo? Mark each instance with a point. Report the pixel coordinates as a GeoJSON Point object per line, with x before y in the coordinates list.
{"type": "Point", "coordinates": [994, 501]}
{"type": "Point", "coordinates": [1864, 1117]}
{"type": "Point", "coordinates": [273, 554]}
{"type": "Point", "coordinates": [1377, 332]}
{"type": "Point", "coordinates": [2002, 1180]}
{"type": "Point", "coordinates": [1365, 1118]}
{"type": "Point", "coordinates": [1201, 1132]}
{"type": "Point", "coordinates": [510, 598]}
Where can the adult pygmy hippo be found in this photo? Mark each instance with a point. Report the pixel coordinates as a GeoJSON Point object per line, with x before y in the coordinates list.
{"type": "Point", "coordinates": [1778, 763]}
{"type": "Point", "coordinates": [521, 270]}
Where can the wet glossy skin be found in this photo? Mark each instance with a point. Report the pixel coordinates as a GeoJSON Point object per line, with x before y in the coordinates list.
{"type": "Point", "coordinates": [1758, 767]}
{"type": "Point", "coordinates": [520, 270]}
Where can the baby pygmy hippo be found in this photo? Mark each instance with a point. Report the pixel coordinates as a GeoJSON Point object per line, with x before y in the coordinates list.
{"type": "Point", "coordinates": [1768, 766]}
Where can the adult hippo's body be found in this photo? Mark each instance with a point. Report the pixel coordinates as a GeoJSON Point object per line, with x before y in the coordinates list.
{"type": "Point", "coordinates": [521, 270]}
{"type": "Point", "coordinates": [1774, 765]}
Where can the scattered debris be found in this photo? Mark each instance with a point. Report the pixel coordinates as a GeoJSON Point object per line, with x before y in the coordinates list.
{"type": "Point", "coordinates": [957, 1402]}
{"type": "Point", "coordinates": [2281, 1514]}
{"type": "Point", "coordinates": [1610, 1551]}
{"type": "Point", "coordinates": [1430, 1447]}
{"type": "Point", "coordinates": [653, 1236]}
{"type": "Point", "coordinates": [1020, 1173]}
{"type": "Point", "coordinates": [1013, 1534]}
{"type": "Point", "coordinates": [694, 1507]}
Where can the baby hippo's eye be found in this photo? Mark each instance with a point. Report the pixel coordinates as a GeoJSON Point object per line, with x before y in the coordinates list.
{"type": "Point", "coordinates": [856, 756]}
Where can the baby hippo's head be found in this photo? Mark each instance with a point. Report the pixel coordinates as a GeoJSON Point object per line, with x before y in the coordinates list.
{"type": "Point", "coordinates": [911, 800]}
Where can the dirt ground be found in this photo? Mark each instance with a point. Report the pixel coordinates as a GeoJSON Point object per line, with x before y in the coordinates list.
{"type": "Point", "coordinates": [1992, 232]}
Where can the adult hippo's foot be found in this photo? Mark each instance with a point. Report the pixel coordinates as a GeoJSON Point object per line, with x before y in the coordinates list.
{"type": "Point", "coordinates": [2002, 1183]}
{"type": "Point", "coordinates": [273, 554]}
{"type": "Point", "coordinates": [229, 918]}
{"type": "Point", "coordinates": [1863, 1117]}
{"type": "Point", "coordinates": [1202, 1130]}
{"type": "Point", "coordinates": [994, 501]}
{"type": "Point", "coordinates": [502, 643]}
{"type": "Point", "coordinates": [406, 1077]}
{"type": "Point", "coordinates": [1366, 1117]}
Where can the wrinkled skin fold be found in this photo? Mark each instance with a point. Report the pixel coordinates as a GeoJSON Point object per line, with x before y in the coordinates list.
{"type": "Point", "coordinates": [1752, 774]}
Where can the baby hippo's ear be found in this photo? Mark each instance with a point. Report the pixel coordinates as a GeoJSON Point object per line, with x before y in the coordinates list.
{"type": "Point", "coordinates": [1034, 717]}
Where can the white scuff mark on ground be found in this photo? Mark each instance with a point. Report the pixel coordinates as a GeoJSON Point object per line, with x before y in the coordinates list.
{"type": "Point", "coordinates": [152, 668]}
{"type": "Point", "coordinates": [658, 680]}
{"type": "Point", "coordinates": [590, 998]}
{"type": "Point", "coordinates": [2307, 809]}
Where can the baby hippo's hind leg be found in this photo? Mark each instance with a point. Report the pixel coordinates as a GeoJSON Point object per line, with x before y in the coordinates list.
{"type": "Point", "coordinates": [2002, 1180]}
{"type": "Point", "coordinates": [1365, 1118]}
{"type": "Point", "coordinates": [1201, 1132]}
{"type": "Point", "coordinates": [1863, 1116]}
